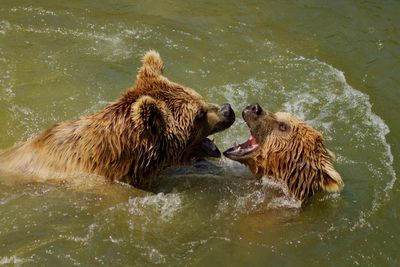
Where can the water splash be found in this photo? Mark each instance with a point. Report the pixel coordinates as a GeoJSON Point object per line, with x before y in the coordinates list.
{"type": "Point", "coordinates": [163, 205]}
{"type": "Point", "coordinates": [86, 238]}
{"type": "Point", "coordinates": [309, 88]}
{"type": "Point", "coordinates": [319, 94]}
{"type": "Point", "coordinates": [285, 201]}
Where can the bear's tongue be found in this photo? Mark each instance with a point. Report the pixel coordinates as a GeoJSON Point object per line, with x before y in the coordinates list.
{"type": "Point", "coordinates": [210, 148]}
{"type": "Point", "coordinates": [251, 141]}
{"type": "Point", "coordinates": [242, 149]}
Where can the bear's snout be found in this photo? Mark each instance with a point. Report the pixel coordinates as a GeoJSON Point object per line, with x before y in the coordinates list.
{"type": "Point", "coordinates": [227, 112]}
{"type": "Point", "coordinates": [253, 110]}
{"type": "Point", "coordinates": [226, 117]}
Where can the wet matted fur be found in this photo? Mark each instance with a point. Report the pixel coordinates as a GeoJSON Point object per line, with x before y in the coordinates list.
{"type": "Point", "coordinates": [155, 124]}
{"type": "Point", "coordinates": [285, 148]}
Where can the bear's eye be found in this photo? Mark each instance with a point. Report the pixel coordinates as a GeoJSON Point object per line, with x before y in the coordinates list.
{"type": "Point", "coordinates": [201, 114]}
{"type": "Point", "coordinates": [283, 127]}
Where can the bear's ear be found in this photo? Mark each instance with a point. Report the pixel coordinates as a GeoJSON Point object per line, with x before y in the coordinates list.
{"type": "Point", "coordinates": [331, 179]}
{"type": "Point", "coordinates": [152, 64]}
{"type": "Point", "coordinates": [149, 115]}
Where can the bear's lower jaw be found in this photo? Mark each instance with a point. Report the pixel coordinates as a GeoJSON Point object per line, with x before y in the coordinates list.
{"type": "Point", "coordinates": [210, 149]}
{"type": "Point", "coordinates": [204, 149]}
{"type": "Point", "coordinates": [242, 150]}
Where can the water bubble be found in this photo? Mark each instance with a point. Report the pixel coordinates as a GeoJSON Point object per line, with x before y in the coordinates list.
{"type": "Point", "coordinates": [4, 26]}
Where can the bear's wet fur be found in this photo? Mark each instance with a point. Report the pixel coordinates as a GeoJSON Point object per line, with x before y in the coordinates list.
{"type": "Point", "coordinates": [285, 148]}
{"type": "Point", "coordinates": [153, 125]}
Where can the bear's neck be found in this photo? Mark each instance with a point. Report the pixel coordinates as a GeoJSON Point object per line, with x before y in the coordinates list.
{"type": "Point", "coordinates": [301, 178]}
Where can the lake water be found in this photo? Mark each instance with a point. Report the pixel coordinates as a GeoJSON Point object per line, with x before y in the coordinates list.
{"type": "Point", "coordinates": [335, 64]}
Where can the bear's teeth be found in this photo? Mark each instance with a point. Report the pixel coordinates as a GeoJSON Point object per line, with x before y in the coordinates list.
{"type": "Point", "coordinates": [238, 149]}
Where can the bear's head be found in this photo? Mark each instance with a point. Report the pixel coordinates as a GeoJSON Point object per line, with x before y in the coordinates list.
{"type": "Point", "coordinates": [171, 122]}
{"type": "Point", "coordinates": [284, 147]}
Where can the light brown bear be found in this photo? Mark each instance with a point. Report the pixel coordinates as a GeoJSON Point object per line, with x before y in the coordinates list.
{"type": "Point", "coordinates": [155, 124]}
{"type": "Point", "coordinates": [285, 148]}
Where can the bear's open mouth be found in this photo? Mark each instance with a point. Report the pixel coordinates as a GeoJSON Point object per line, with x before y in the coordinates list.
{"type": "Point", "coordinates": [210, 148]}
{"type": "Point", "coordinates": [242, 149]}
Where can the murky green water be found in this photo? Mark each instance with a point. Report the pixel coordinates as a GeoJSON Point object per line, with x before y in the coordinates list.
{"type": "Point", "coordinates": [335, 64]}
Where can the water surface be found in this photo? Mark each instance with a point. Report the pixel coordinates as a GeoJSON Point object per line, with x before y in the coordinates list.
{"type": "Point", "coordinates": [333, 64]}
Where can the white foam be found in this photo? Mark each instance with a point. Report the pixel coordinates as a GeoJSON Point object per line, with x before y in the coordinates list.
{"type": "Point", "coordinates": [12, 260]}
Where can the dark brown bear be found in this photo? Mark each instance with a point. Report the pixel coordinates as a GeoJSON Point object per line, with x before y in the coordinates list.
{"type": "Point", "coordinates": [155, 124]}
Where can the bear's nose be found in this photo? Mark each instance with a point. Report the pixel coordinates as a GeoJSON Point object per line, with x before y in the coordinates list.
{"type": "Point", "coordinates": [227, 111]}
{"type": "Point", "coordinates": [254, 108]}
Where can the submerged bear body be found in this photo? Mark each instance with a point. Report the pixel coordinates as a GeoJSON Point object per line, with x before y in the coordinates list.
{"type": "Point", "coordinates": [155, 124]}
